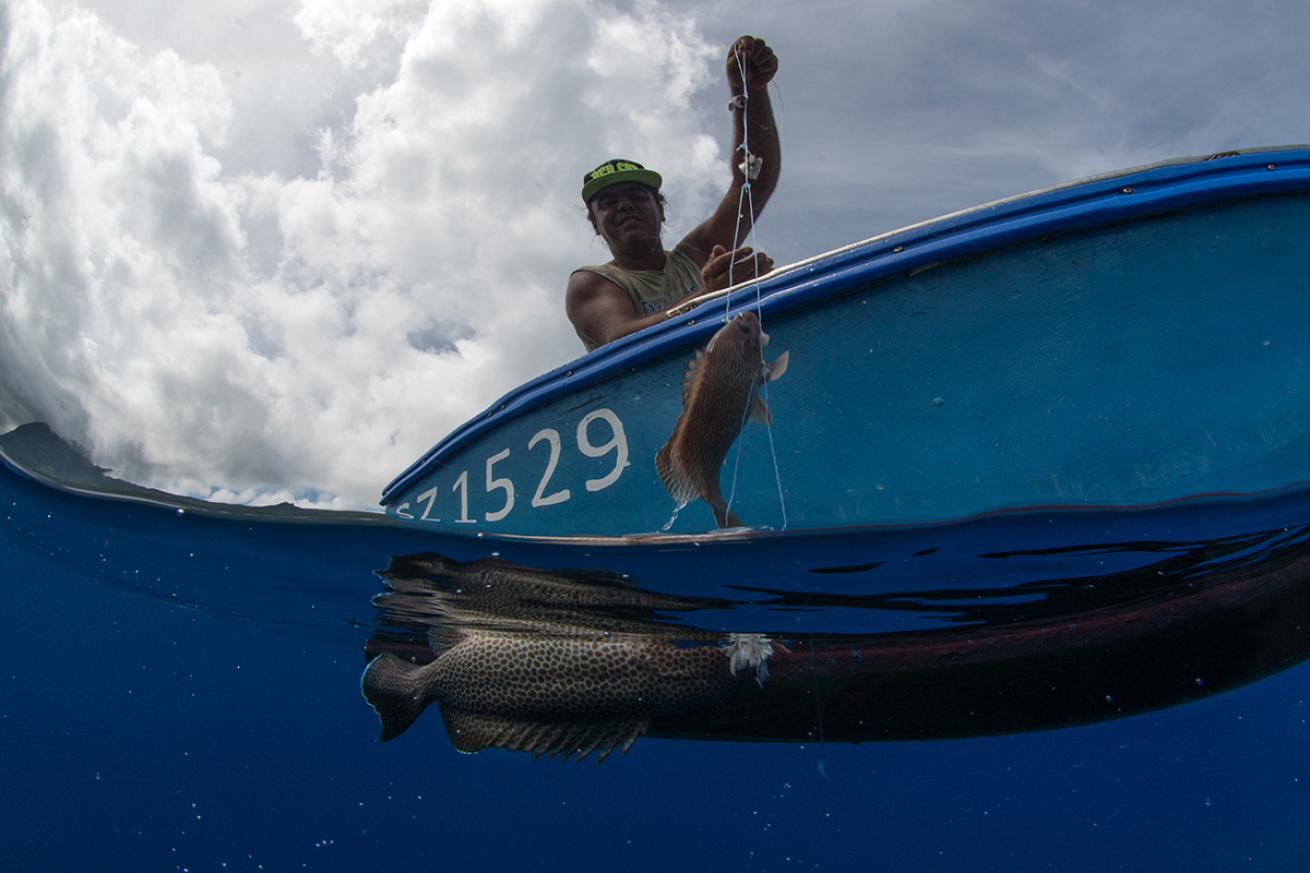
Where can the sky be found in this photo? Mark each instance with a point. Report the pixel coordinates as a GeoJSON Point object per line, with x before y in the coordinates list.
{"type": "Point", "coordinates": [273, 250]}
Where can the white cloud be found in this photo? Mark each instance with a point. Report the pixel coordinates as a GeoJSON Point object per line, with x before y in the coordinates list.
{"type": "Point", "coordinates": [350, 31]}
{"type": "Point", "coordinates": [312, 333]}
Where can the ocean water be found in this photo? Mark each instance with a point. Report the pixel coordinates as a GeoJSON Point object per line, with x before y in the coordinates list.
{"type": "Point", "coordinates": [182, 691]}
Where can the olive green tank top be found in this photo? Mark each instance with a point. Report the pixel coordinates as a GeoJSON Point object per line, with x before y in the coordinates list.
{"type": "Point", "coordinates": [652, 290]}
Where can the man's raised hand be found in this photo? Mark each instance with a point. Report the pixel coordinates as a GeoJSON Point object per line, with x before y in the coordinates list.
{"type": "Point", "coordinates": [758, 59]}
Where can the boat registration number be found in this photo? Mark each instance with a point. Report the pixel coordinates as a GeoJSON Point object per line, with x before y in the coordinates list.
{"type": "Point", "coordinates": [503, 492]}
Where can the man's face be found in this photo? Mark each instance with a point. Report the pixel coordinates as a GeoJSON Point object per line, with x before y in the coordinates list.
{"type": "Point", "coordinates": [626, 212]}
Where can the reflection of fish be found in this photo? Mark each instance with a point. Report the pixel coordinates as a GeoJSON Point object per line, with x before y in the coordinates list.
{"type": "Point", "coordinates": [496, 594]}
{"type": "Point", "coordinates": [719, 392]}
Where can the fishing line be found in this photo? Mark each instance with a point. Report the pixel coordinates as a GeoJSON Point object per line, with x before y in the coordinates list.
{"type": "Point", "coordinates": [745, 194]}
{"type": "Point", "coordinates": [759, 309]}
{"type": "Point", "coordinates": [743, 101]}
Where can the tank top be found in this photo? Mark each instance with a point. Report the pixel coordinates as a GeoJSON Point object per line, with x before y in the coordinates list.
{"type": "Point", "coordinates": [652, 290]}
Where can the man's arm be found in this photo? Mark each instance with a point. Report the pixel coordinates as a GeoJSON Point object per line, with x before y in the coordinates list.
{"type": "Point", "coordinates": [762, 138]}
{"type": "Point", "coordinates": [602, 312]}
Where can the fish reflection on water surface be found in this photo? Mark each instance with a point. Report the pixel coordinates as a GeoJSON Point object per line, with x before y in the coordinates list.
{"type": "Point", "coordinates": [571, 663]}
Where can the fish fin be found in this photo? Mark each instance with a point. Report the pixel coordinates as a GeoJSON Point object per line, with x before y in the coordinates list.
{"type": "Point", "coordinates": [672, 475]}
{"type": "Point", "coordinates": [472, 732]}
{"type": "Point", "coordinates": [392, 687]}
{"type": "Point", "coordinates": [690, 376]}
{"type": "Point", "coordinates": [760, 413]}
{"type": "Point", "coordinates": [777, 368]}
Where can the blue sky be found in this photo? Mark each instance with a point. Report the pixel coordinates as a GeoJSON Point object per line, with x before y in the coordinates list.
{"type": "Point", "coordinates": [277, 248]}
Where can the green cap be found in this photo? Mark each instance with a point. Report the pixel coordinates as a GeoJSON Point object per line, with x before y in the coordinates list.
{"type": "Point", "coordinates": [614, 171]}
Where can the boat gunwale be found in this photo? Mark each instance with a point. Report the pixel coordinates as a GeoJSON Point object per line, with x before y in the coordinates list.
{"type": "Point", "coordinates": [1097, 201]}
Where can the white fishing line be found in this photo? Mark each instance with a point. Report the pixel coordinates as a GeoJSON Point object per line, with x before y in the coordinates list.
{"type": "Point", "coordinates": [742, 99]}
{"type": "Point", "coordinates": [773, 453]}
{"type": "Point", "coordinates": [752, 236]}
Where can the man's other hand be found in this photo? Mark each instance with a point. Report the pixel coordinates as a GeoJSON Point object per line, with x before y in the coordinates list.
{"type": "Point", "coordinates": [744, 263]}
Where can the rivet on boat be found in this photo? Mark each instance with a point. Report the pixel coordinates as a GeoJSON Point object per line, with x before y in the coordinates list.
{"type": "Point", "coordinates": [899, 249]}
{"type": "Point", "coordinates": [1127, 189]}
{"type": "Point", "coordinates": [1270, 166]}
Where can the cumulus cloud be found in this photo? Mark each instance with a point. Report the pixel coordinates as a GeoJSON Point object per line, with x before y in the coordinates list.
{"type": "Point", "coordinates": [247, 333]}
{"type": "Point", "coordinates": [279, 247]}
{"type": "Point", "coordinates": [352, 31]}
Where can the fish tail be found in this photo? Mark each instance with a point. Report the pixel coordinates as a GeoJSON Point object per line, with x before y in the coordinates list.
{"type": "Point", "coordinates": [664, 467]}
{"type": "Point", "coordinates": [392, 687]}
{"type": "Point", "coordinates": [671, 474]}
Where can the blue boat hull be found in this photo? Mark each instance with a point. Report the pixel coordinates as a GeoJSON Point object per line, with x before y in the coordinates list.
{"type": "Point", "coordinates": [1127, 341]}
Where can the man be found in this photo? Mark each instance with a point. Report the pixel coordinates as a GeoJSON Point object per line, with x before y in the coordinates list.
{"type": "Point", "coordinates": [633, 291]}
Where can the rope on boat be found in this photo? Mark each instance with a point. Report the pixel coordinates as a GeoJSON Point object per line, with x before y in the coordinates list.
{"type": "Point", "coordinates": [750, 169]}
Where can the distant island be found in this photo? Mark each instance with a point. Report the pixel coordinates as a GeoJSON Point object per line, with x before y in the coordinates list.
{"type": "Point", "coordinates": [35, 448]}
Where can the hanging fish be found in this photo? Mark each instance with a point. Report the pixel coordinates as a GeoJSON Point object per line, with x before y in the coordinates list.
{"type": "Point", "coordinates": [719, 392]}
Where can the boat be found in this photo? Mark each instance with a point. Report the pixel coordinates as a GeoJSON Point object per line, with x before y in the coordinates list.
{"type": "Point", "coordinates": [1130, 340]}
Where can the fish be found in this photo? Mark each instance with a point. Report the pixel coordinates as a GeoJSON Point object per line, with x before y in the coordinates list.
{"type": "Point", "coordinates": [720, 391]}
{"type": "Point", "coordinates": [540, 661]}
{"type": "Point", "coordinates": [554, 695]}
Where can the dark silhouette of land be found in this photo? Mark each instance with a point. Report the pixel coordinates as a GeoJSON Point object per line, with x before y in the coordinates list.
{"type": "Point", "coordinates": [37, 451]}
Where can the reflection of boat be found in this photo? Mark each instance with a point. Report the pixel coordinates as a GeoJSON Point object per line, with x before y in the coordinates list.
{"type": "Point", "coordinates": [1126, 340]}
{"type": "Point", "coordinates": [567, 663]}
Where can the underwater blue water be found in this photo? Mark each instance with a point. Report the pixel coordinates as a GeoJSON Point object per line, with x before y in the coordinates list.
{"type": "Point", "coordinates": [182, 692]}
